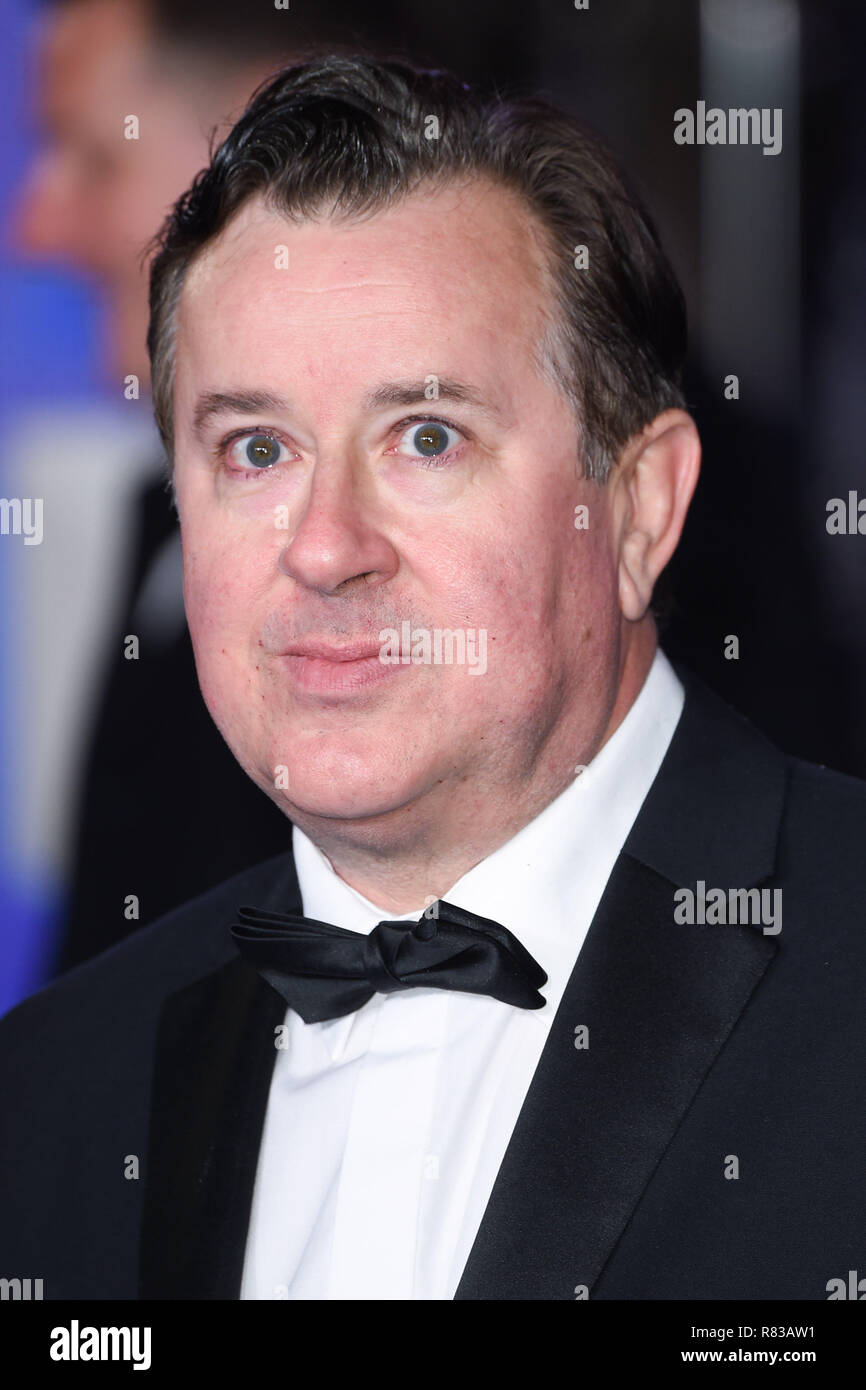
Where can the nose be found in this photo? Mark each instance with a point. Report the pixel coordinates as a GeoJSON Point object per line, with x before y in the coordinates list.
{"type": "Point", "coordinates": [338, 543]}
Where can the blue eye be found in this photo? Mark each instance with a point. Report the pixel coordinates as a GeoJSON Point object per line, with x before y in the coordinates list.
{"type": "Point", "coordinates": [430, 438]}
{"type": "Point", "coordinates": [259, 451]}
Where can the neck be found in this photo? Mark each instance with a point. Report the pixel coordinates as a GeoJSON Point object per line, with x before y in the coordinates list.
{"type": "Point", "coordinates": [405, 859]}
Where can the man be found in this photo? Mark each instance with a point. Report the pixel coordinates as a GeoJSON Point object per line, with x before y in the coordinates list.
{"type": "Point", "coordinates": [558, 993]}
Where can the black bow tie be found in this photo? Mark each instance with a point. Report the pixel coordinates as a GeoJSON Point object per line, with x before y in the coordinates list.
{"type": "Point", "coordinates": [324, 971]}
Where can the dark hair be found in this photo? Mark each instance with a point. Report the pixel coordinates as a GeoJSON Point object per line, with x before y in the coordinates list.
{"type": "Point", "coordinates": [350, 135]}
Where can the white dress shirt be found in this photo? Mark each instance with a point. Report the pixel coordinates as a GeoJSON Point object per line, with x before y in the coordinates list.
{"type": "Point", "coordinates": [385, 1129]}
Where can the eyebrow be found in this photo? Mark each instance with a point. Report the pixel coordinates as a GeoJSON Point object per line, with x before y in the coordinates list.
{"type": "Point", "coordinates": [212, 404]}
{"type": "Point", "coordinates": [415, 393]}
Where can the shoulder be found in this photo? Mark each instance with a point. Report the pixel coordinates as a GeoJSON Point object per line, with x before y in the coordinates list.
{"type": "Point", "coordinates": [816, 791]}
{"type": "Point", "coordinates": [123, 988]}
{"type": "Point", "coordinates": [823, 835]}
{"type": "Point", "coordinates": [716, 733]}
{"type": "Point", "coordinates": [732, 808]}
{"type": "Point", "coordinates": [807, 821]}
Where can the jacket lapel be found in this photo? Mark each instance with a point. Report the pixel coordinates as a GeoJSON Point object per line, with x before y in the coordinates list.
{"type": "Point", "coordinates": [214, 1058]}
{"type": "Point", "coordinates": [659, 1000]}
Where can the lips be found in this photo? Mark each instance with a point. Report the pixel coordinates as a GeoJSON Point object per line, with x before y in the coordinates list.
{"type": "Point", "coordinates": [327, 670]}
{"type": "Point", "coordinates": [327, 651]}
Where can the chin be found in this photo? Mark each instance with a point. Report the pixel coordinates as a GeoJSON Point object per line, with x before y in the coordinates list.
{"type": "Point", "coordinates": [335, 804]}
{"type": "Point", "coordinates": [319, 789]}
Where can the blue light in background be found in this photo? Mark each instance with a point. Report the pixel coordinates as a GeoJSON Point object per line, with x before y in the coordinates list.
{"type": "Point", "coordinates": [49, 349]}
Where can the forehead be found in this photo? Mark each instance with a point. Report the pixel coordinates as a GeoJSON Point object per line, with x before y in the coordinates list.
{"type": "Point", "coordinates": [449, 272]}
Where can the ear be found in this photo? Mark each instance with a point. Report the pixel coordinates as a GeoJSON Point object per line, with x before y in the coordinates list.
{"type": "Point", "coordinates": [652, 484]}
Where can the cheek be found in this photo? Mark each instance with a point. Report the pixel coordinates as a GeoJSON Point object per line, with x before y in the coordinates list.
{"type": "Point", "coordinates": [556, 610]}
{"type": "Point", "coordinates": [552, 576]}
{"type": "Point", "coordinates": [219, 604]}
{"type": "Point", "coordinates": [221, 577]}
{"type": "Point", "coordinates": [588, 617]}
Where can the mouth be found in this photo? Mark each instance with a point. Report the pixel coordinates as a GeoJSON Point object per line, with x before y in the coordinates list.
{"type": "Point", "coordinates": [324, 668]}
{"type": "Point", "coordinates": [330, 651]}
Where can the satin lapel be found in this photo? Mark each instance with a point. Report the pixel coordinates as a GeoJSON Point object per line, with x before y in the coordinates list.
{"type": "Point", "coordinates": [213, 1062]}
{"type": "Point", "coordinates": [659, 1000]}
{"type": "Point", "coordinates": [214, 1059]}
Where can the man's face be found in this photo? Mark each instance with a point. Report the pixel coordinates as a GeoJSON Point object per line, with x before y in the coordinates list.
{"type": "Point", "coordinates": [94, 197]}
{"type": "Point", "coordinates": [380, 506]}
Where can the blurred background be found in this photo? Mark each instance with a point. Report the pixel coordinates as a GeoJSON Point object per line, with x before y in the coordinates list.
{"type": "Point", "coordinates": [118, 798]}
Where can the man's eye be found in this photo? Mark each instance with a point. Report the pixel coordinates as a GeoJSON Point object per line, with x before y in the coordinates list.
{"type": "Point", "coordinates": [429, 439]}
{"type": "Point", "coordinates": [260, 451]}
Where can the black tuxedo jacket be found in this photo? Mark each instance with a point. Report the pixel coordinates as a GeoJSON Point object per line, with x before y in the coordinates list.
{"type": "Point", "coordinates": [134, 1089]}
